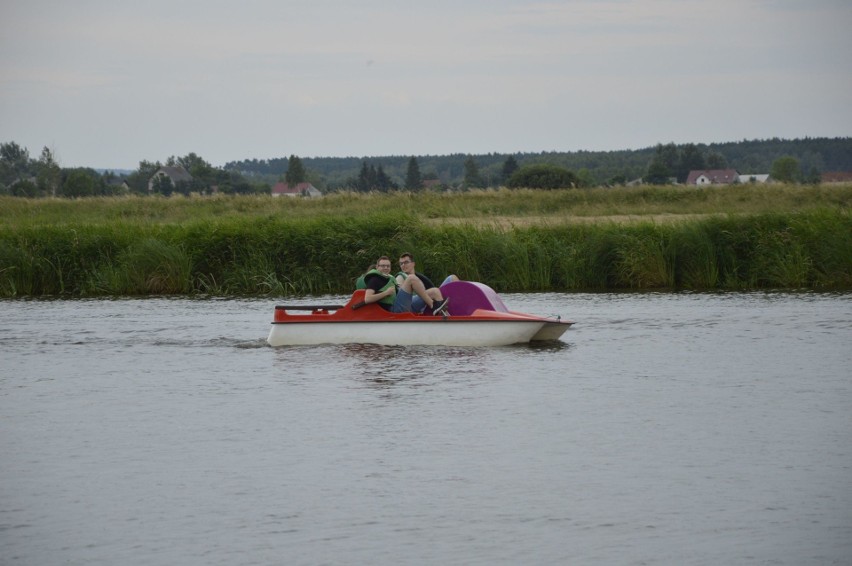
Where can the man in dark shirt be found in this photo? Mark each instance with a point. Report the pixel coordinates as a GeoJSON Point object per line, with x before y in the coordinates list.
{"type": "Point", "coordinates": [408, 267]}
{"type": "Point", "coordinates": [382, 288]}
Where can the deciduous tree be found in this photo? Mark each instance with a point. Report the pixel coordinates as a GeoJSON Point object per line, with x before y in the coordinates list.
{"type": "Point", "coordinates": [786, 169]}
{"type": "Point", "coordinates": [138, 180]}
{"type": "Point", "coordinates": [78, 183]}
{"type": "Point", "coordinates": [14, 163]}
{"type": "Point", "coordinates": [543, 176]}
{"type": "Point", "coordinates": [664, 165]}
{"type": "Point", "coordinates": [658, 172]}
{"type": "Point", "coordinates": [194, 165]}
{"type": "Point", "coordinates": [25, 188]}
{"type": "Point", "coordinates": [49, 173]}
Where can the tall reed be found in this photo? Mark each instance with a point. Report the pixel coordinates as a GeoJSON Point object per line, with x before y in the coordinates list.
{"type": "Point", "coordinates": [267, 255]}
{"type": "Point", "coordinates": [146, 267]}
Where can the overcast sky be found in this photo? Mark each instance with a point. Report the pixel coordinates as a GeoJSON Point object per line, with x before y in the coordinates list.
{"type": "Point", "coordinates": [109, 83]}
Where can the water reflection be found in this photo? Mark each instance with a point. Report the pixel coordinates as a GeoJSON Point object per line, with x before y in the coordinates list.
{"type": "Point", "coordinates": [550, 346]}
{"type": "Point", "coordinates": [391, 365]}
{"type": "Point", "coordinates": [415, 366]}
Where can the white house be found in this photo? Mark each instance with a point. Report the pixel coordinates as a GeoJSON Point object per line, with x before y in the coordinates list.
{"type": "Point", "coordinates": [173, 174]}
{"type": "Point", "coordinates": [762, 178]}
{"type": "Point", "coordinates": [712, 177]}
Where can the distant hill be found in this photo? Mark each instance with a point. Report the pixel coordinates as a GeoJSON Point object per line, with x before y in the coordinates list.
{"type": "Point", "coordinates": [599, 167]}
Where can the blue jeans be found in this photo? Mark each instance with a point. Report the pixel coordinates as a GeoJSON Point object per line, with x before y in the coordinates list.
{"type": "Point", "coordinates": [402, 302]}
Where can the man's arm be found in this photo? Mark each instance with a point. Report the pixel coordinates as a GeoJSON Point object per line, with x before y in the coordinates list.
{"type": "Point", "coordinates": [372, 293]}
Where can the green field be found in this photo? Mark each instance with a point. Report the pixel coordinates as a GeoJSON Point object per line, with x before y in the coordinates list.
{"type": "Point", "coordinates": [736, 237]}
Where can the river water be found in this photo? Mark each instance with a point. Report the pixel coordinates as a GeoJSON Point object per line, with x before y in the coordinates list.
{"type": "Point", "coordinates": [662, 429]}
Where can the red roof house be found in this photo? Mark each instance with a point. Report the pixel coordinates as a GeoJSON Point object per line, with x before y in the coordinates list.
{"type": "Point", "coordinates": [298, 190]}
{"type": "Point", "coordinates": [836, 177]}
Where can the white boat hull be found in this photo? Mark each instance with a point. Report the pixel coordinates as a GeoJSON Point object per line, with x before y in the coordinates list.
{"type": "Point", "coordinates": [449, 332]}
{"type": "Point", "coordinates": [549, 331]}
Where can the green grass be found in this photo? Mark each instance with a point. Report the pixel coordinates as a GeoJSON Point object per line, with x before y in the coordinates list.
{"type": "Point", "coordinates": [479, 206]}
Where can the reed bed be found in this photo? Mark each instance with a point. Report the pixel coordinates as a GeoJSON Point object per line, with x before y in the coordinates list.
{"type": "Point", "coordinates": [266, 255]}
{"type": "Point", "coordinates": [810, 250]}
{"type": "Point", "coordinates": [745, 237]}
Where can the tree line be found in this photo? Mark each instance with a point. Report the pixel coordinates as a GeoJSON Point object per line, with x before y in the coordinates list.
{"type": "Point", "coordinates": [662, 163]}
{"type": "Point", "coordinates": [799, 160]}
{"type": "Point", "coordinates": [21, 175]}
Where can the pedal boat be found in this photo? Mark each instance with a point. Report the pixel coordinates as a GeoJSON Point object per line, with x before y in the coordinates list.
{"type": "Point", "coordinates": [476, 316]}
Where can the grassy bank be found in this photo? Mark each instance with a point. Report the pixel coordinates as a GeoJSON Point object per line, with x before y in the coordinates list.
{"type": "Point", "coordinates": [553, 207]}
{"type": "Point", "coordinates": [745, 237]}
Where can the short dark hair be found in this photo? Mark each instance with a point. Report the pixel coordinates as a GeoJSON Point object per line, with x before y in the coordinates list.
{"type": "Point", "coordinates": [406, 254]}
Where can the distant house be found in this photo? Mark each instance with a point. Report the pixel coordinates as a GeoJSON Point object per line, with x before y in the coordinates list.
{"type": "Point", "coordinates": [712, 177]}
{"type": "Point", "coordinates": [836, 177]}
{"type": "Point", "coordinates": [119, 185]}
{"type": "Point", "coordinates": [298, 190]}
{"type": "Point", "coordinates": [174, 174]}
{"type": "Point", "coordinates": [762, 178]}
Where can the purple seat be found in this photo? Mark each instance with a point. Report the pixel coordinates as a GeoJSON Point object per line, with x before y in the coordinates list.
{"type": "Point", "coordinates": [467, 296]}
